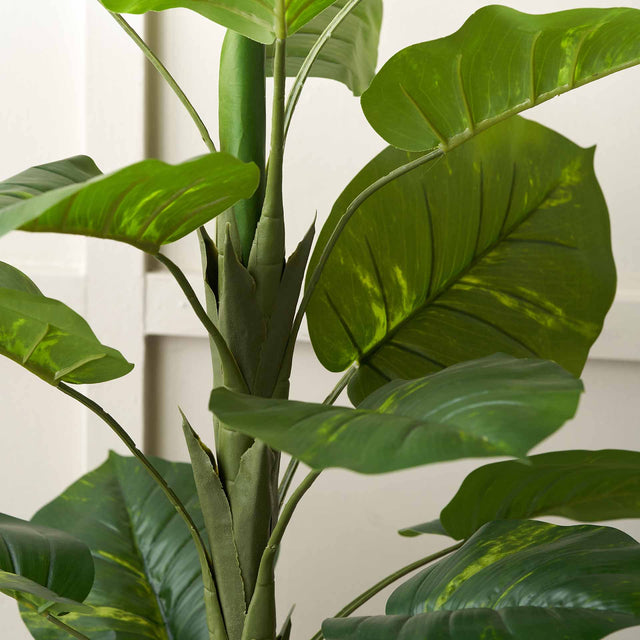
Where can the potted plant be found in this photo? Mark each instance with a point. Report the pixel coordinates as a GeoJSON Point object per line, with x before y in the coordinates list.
{"type": "Point", "coordinates": [459, 282]}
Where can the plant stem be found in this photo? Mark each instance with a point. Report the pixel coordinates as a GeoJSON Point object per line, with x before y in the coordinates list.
{"type": "Point", "coordinates": [61, 625]}
{"type": "Point", "coordinates": [229, 363]}
{"type": "Point", "coordinates": [162, 70]}
{"type": "Point", "coordinates": [290, 472]}
{"type": "Point", "coordinates": [242, 124]}
{"type": "Point", "coordinates": [212, 605]}
{"type": "Point", "coordinates": [342, 384]}
{"type": "Point", "coordinates": [268, 250]}
{"type": "Point", "coordinates": [342, 223]}
{"type": "Point", "coordinates": [289, 508]}
{"type": "Point", "coordinates": [287, 479]}
{"type": "Point", "coordinates": [260, 621]}
{"type": "Point", "coordinates": [153, 472]}
{"type": "Point", "coordinates": [385, 582]}
{"type": "Point", "coordinates": [312, 56]}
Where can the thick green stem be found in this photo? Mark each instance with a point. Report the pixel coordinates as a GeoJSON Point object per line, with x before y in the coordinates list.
{"type": "Point", "coordinates": [312, 56]}
{"type": "Point", "coordinates": [242, 118]}
{"type": "Point", "coordinates": [268, 251]}
{"type": "Point", "coordinates": [248, 469]}
{"type": "Point", "coordinates": [229, 364]}
{"type": "Point", "coordinates": [385, 582]}
{"type": "Point", "coordinates": [261, 617]}
{"type": "Point", "coordinates": [163, 71]}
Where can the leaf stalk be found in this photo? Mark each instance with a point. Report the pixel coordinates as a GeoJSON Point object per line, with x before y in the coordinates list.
{"type": "Point", "coordinates": [128, 441]}
{"type": "Point", "coordinates": [230, 365]}
{"type": "Point", "coordinates": [67, 629]}
{"type": "Point", "coordinates": [170, 80]}
{"type": "Point", "coordinates": [312, 56]}
{"type": "Point", "coordinates": [385, 582]}
{"type": "Point", "coordinates": [290, 472]}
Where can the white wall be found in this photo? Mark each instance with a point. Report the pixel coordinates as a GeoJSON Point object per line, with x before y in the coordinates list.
{"type": "Point", "coordinates": [75, 85]}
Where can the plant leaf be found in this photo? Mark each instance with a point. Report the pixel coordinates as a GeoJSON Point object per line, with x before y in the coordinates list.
{"type": "Point", "coordinates": [147, 204]}
{"type": "Point", "coordinates": [238, 299]}
{"type": "Point", "coordinates": [349, 56]}
{"type": "Point", "coordinates": [255, 19]}
{"type": "Point", "coordinates": [48, 338]}
{"type": "Point", "coordinates": [523, 580]}
{"type": "Point", "coordinates": [503, 245]}
{"type": "Point", "coordinates": [219, 526]}
{"type": "Point", "coordinates": [12, 278]}
{"type": "Point", "coordinates": [148, 583]}
{"type": "Point", "coordinates": [432, 527]}
{"type": "Point", "coordinates": [468, 410]}
{"type": "Point", "coordinates": [514, 623]}
{"type": "Point", "coordinates": [582, 485]}
{"type": "Point", "coordinates": [499, 63]}
{"type": "Point", "coordinates": [40, 565]}
{"type": "Point", "coordinates": [274, 366]}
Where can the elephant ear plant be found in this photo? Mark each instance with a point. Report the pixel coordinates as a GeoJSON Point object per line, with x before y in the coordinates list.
{"type": "Point", "coordinates": [459, 281]}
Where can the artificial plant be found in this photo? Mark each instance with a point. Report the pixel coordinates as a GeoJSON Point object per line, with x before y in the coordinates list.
{"type": "Point", "coordinates": [459, 282]}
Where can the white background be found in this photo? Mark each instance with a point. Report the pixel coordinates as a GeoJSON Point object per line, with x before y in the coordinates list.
{"type": "Point", "coordinates": [72, 83]}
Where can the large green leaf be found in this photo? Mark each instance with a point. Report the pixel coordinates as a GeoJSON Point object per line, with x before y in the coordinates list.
{"type": "Point", "coordinates": [147, 204]}
{"type": "Point", "coordinates": [583, 485]}
{"type": "Point", "coordinates": [503, 245]}
{"type": "Point", "coordinates": [41, 566]}
{"type": "Point", "coordinates": [521, 623]}
{"type": "Point", "coordinates": [349, 56]}
{"type": "Point", "coordinates": [148, 584]}
{"type": "Point", "coordinates": [496, 406]}
{"type": "Point", "coordinates": [521, 580]}
{"type": "Point", "coordinates": [500, 62]}
{"type": "Point", "coordinates": [48, 338]}
{"type": "Point", "coordinates": [255, 19]}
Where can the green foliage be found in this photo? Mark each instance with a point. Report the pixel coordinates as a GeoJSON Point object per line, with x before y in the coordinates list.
{"type": "Point", "coordinates": [469, 83]}
{"type": "Point", "coordinates": [350, 55]}
{"type": "Point", "coordinates": [255, 19]}
{"type": "Point", "coordinates": [43, 567]}
{"type": "Point", "coordinates": [219, 527]}
{"type": "Point", "coordinates": [515, 579]}
{"type": "Point", "coordinates": [147, 204]}
{"type": "Point", "coordinates": [50, 339]}
{"type": "Point", "coordinates": [462, 293]}
{"type": "Point", "coordinates": [588, 486]}
{"type": "Point", "coordinates": [468, 410]}
{"type": "Point", "coordinates": [147, 576]}
{"type": "Point", "coordinates": [431, 257]}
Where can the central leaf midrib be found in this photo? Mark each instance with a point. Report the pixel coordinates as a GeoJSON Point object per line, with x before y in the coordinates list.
{"type": "Point", "coordinates": [455, 279]}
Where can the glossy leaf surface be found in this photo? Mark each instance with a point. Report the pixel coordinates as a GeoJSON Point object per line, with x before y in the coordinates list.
{"type": "Point", "coordinates": [349, 56]}
{"type": "Point", "coordinates": [521, 623]}
{"type": "Point", "coordinates": [148, 584]}
{"type": "Point", "coordinates": [496, 406]}
{"type": "Point", "coordinates": [501, 246]}
{"type": "Point", "coordinates": [42, 565]}
{"type": "Point", "coordinates": [515, 580]}
{"type": "Point", "coordinates": [499, 63]}
{"type": "Point", "coordinates": [255, 19]}
{"type": "Point", "coordinates": [582, 485]}
{"type": "Point", "coordinates": [50, 339]}
{"type": "Point", "coordinates": [147, 204]}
